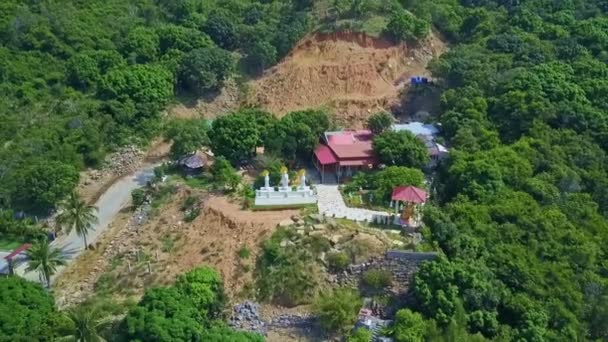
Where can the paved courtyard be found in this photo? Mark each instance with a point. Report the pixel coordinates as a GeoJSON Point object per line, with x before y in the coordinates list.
{"type": "Point", "coordinates": [331, 203]}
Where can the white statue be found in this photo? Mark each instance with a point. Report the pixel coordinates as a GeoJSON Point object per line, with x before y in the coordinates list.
{"type": "Point", "coordinates": [284, 179]}
{"type": "Point", "coordinates": [303, 181]}
{"type": "Point", "coordinates": [267, 182]}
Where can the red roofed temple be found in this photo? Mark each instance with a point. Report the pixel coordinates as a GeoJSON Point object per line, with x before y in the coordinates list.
{"type": "Point", "coordinates": [344, 152]}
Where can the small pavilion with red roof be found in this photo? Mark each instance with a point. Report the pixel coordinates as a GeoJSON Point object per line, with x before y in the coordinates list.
{"type": "Point", "coordinates": [408, 200]}
{"type": "Point", "coordinates": [344, 153]}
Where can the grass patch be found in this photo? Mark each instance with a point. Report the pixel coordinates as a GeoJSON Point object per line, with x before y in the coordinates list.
{"type": "Point", "coordinates": [244, 252]}
{"type": "Point", "coordinates": [168, 244]}
{"type": "Point", "coordinates": [197, 182]}
{"type": "Point", "coordinates": [9, 245]}
{"type": "Point", "coordinates": [116, 261]}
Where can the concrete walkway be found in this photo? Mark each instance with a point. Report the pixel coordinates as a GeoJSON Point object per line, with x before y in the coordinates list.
{"type": "Point", "coordinates": [109, 205]}
{"type": "Point", "coordinates": [331, 203]}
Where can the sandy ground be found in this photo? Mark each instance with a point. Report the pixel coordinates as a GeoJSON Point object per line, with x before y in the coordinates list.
{"type": "Point", "coordinates": [173, 247]}
{"type": "Point", "coordinates": [349, 74]}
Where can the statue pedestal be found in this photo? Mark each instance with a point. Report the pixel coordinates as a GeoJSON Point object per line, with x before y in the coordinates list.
{"type": "Point", "coordinates": [267, 196]}
{"type": "Point", "coordinates": [285, 197]}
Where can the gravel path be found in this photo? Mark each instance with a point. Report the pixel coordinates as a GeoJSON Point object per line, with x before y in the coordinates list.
{"type": "Point", "coordinates": [109, 205]}
{"type": "Point", "coordinates": [332, 204]}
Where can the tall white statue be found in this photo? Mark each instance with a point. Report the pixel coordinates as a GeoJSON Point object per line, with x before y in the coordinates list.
{"type": "Point", "coordinates": [302, 175]}
{"type": "Point", "coordinates": [284, 179]}
{"type": "Point", "coordinates": [266, 180]}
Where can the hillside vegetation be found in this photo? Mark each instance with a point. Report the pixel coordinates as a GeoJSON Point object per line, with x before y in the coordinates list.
{"type": "Point", "coordinates": [523, 201]}
{"type": "Point", "coordinates": [79, 78]}
{"type": "Point", "coordinates": [519, 210]}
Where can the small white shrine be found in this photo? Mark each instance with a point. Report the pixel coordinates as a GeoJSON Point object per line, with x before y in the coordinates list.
{"type": "Point", "coordinates": [286, 195]}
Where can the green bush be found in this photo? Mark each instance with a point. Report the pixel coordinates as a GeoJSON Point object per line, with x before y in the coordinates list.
{"type": "Point", "coordinates": [337, 309]}
{"type": "Point", "coordinates": [244, 252]}
{"type": "Point", "coordinates": [377, 279]}
{"type": "Point", "coordinates": [286, 273]}
{"type": "Point", "coordinates": [138, 196]}
{"type": "Point", "coordinates": [360, 335]}
{"type": "Point", "coordinates": [338, 261]}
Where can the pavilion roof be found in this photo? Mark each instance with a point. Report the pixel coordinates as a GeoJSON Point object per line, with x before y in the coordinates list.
{"type": "Point", "coordinates": [409, 194]}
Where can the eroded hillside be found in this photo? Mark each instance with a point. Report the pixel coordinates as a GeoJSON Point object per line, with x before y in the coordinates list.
{"type": "Point", "coordinates": [351, 73]}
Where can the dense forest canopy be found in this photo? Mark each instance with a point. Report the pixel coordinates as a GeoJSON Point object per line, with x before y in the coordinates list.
{"type": "Point", "coordinates": [522, 203]}
{"type": "Point", "coordinates": [79, 78]}
{"type": "Point", "coordinates": [519, 210]}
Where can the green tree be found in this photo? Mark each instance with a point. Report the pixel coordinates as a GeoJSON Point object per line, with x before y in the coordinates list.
{"type": "Point", "coordinates": [265, 123]}
{"type": "Point", "coordinates": [384, 181]}
{"type": "Point", "coordinates": [205, 69]}
{"type": "Point", "coordinates": [41, 184]}
{"type": "Point", "coordinates": [182, 312]}
{"type": "Point", "coordinates": [224, 175]}
{"type": "Point", "coordinates": [297, 133]}
{"type": "Point", "coordinates": [142, 44]}
{"type": "Point", "coordinates": [234, 137]}
{"type": "Point", "coordinates": [188, 136]}
{"type": "Point", "coordinates": [379, 122]}
{"type": "Point", "coordinates": [222, 29]}
{"type": "Point", "coordinates": [338, 309]}
{"type": "Point", "coordinates": [401, 148]}
{"type": "Point", "coordinates": [27, 311]}
{"type": "Point", "coordinates": [44, 259]}
{"type": "Point", "coordinates": [260, 56]}
{"type": "Point", "coordinates": [149, 86]}
{"type": "Point", "coordinates": [75, 214]}
{"type": "Point", "coordinates": [404, 26]}
{"type": "Point", "coordinates": [205, 288]}
{"type": "Point", "coordinates": [88, 323]}
{"type": "Point", "coordinates": [360, 335]}
{"type": "Point", "coordinates": [82, 71]}
{"type": "Point", "coordinates": [408, 326]}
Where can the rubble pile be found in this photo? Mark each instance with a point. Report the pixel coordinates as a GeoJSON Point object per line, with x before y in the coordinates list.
{"type": "Point", "coordinates": [246, 316]}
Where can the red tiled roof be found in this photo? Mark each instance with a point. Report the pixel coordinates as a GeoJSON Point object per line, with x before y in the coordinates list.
{"type": "Point", "coordinates": [17, 251]}
{"type": "Point", "coordinates": [325, 155]}
{"type": "Point", "coordinates": [358, 149]}
{"type": "Point", "coordinates": [410, 194]}
{"type": "Point", "coordinates": [346, 138]}
{"type": "Point", "coordinates": [357, 162]}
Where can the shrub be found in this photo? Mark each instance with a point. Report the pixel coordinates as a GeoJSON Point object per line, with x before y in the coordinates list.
{"type": "Point", "coordinates": [377, 279]}
{"type": "Point", "coordinates": [360, 335]}
{"type": "Point", "coordinates": [338, 261]}
{"type": "Point", "coordinates": [244, 252]}
{"type": "Point", "coordinates": [192, 214]}
{"type": "Point", "coordinates": [337, 309]}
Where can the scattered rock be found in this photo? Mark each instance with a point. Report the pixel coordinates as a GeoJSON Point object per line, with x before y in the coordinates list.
{"type": "Point", "coordinates": [335, 238]}
{"type": "Point", "coordinates": [286, 223]}
{"type": "Point", "coordinates": [319, 227]}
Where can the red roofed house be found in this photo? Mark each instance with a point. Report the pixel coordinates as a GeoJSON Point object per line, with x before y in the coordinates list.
{"type": "Point", "coordinates": [344, 152]}
{"type": "Point", "coordinates": [412, 197]}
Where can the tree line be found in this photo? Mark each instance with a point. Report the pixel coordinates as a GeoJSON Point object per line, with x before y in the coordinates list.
{"type": "Point", "coordinates": [521, 207]}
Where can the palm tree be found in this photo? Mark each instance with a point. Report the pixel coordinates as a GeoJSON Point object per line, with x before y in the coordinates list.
{"type": "Point", "coordinates": [45, 259]}
{"type": "Point", "coordinates": [77, 214]}
{"type": "Point", "coordinates": [87, 324]}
